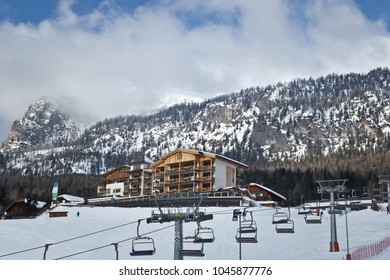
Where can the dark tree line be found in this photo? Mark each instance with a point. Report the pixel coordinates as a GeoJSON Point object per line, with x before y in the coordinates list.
{"type": "Point", "coordinates": [16, 186]}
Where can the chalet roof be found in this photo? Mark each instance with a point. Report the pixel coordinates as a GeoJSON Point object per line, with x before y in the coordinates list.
{"type": "Point", "coordinates": [71, 198]}
{"type": "Point", "coordinates": [36, 203]}
{"type": "Point", "coordinates": [197, 152]}
{"type": "Point", "coordinates": [269, 190]}
{"type": "Point", "coordinates": [142, 159]}
{"type": "Point", "coordinates": [101, 182]}
{"type": "Point", "coordinates": [115, 169]}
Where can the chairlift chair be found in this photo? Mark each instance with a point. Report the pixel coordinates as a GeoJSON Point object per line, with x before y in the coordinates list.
{"type": "Point", "coordinates": [192, 248]}
{"type": "Point", "coordinates": [142, 245]}
{"type": "Point", "coordinates": [314, 218]}
{"type": "Point", "coordinates": [204, 234]}
{"type": "Point", "coordinates": [283, 223]}
{"type": "Point", "coordinates": [247, 233]}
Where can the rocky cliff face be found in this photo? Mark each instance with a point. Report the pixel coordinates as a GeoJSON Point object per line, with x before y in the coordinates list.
{"type": "Point", "coordinates": [42, 124]}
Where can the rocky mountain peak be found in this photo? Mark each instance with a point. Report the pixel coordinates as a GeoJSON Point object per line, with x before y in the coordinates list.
{"type": "Point", "coordinates": [43, 123]}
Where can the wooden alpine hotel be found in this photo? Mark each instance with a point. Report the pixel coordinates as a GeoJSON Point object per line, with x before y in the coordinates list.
{"type": "Point", "coordinates": [180, 171]}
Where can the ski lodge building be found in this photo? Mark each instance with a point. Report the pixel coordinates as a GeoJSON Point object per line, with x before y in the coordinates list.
{"type": "Point", "coordinates": [180, 171]}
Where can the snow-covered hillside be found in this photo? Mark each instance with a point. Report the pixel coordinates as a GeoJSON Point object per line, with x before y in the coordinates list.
{"type": "Point", "coordinates": [90, 236]}
{"type": "Point", "coordinates": [287, 121]}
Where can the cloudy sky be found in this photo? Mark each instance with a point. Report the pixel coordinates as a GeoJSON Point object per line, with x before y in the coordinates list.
{"type": "Point", "coordinates": [117, 57]}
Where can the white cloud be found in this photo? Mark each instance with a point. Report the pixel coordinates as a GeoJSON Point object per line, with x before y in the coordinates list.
{"type": "Point", "coordinates": [112, 63]}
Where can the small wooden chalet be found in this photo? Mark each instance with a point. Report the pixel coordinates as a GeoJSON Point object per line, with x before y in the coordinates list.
{"type": "Point", "coordinates": [25, 208]}
{"type": "Point", "coordinates": [265, 195]}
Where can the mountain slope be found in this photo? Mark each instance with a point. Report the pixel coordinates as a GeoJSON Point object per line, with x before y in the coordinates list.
{"type": "Point", "coordinates": [295, 122]}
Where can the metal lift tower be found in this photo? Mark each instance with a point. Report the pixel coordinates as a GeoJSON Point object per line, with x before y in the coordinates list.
{"type": "Point", "coordinates": [179, 217]}
{"type": "Point", "coordinates": [332, 187]}
{"type": "Point", "coordinates": [385, 179]}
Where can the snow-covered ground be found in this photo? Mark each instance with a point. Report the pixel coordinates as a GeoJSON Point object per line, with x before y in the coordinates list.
{"type": "Point", "coordinates": [90, 235]}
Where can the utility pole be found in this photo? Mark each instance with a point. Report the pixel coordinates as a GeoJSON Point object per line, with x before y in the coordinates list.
{"type": "Point", "coordinates": [332, 187]}
{"type": "Point", "coordinates": [179, 217]}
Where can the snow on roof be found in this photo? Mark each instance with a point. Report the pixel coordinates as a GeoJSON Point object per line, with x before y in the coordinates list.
{"type": "Point", "coordinates": [40, 204]}
{"type": "Point", "coordinates": [232, 160]}
{"type": "Point", "coordinates": [193, 151]}
{"type": "Point", "coordinates": [71, 198]}
{"type": "Point", "coordinates": [268, 189]}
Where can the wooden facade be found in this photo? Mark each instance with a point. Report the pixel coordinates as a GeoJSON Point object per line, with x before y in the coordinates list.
{"type": "Point", "coordinates": [184, 171]}
{"type": "Point", "coordinates": [127, 180]}
{"type": "Point", "coordinates": [180, 171]}
{"type": "Point", "coordinates": [263, 193]}
{"type": "Point", "coordinates": [24, 208]}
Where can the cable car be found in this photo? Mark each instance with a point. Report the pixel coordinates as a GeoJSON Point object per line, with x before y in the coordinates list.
{"type": "Point", "coordinates": [142, 245]}
{"type": "Point", "coordinates": [192, 248]}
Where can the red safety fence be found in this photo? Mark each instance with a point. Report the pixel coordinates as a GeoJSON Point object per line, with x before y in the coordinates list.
{"type": "Point", "coordinates": [370, 250]}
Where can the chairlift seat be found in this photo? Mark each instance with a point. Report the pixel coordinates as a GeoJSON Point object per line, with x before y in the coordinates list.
{"type": "Point", "coordinates": [285, 230]}
{"type": "Point", "coordinates": [313, 219]}
{"type": "Point", "coordinates": [142, 253]}
{"type": "Point", "coordinates": [191, 253]}
{"type": "Point", "coordinates": [192, 247]}
{"type": "Point", "coordinates": [281, 221]}
{"type": "Point", "coordinates": [143, 246]}
{"type": "Point", "coordinates": [204, 240]}
{"type": "Point", "coordinates": [246, 239]}
{"type": "Point", "coordinates": [287, 227]}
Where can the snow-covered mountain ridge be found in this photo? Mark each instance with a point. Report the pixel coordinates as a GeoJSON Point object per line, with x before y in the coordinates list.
{"type": "Point", "coordinates": [282, 122]}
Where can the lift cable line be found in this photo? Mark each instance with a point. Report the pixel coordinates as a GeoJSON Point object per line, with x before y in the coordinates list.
{"type": "Point", "coordinates": [202, 217]}
{"type": "Point", "coordinates": [46, 246]}
{"type": "Point", "coordinates": [108, 245]}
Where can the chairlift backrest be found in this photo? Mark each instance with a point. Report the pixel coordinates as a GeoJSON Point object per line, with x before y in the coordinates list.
{"type": "Point", "coordinates": [204, 235]}
{"type": "Point", "coordinates": [279, 217]}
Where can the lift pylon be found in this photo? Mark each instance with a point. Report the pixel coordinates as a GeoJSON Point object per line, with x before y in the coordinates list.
{"type": "Point", "coordinates": [332, 187]}
{"type": "Point", "coordinates": [178, 216]}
